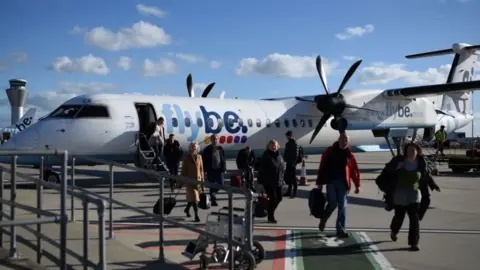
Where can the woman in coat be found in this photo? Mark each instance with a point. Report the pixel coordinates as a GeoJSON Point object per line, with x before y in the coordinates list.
{"type": "Point", "coordinates": [270, 177]}
{"type": "Point", "coordinates": [192, 167]}
{"type": "Point", "coordinates": [411, 180]}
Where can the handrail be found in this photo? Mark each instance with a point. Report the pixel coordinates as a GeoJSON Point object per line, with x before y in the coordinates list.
{"type": "Point", "coordinates": [62, 218]}
{"type": "Point", "coordinates": [162, 177]}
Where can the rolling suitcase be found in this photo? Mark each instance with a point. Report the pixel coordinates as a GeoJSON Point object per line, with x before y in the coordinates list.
{"type": "Point", "coordinates": [236, 181]}
{"type": "Point", "coordinates": [168, 204]}
{"type": "Point", "coordinates": [261, 205]}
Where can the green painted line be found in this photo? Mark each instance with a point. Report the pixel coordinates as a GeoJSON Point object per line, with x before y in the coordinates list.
{"type": "Point", "coordinates": [367, 251]}
{"type": "Point", "coordinates": [298, 245]}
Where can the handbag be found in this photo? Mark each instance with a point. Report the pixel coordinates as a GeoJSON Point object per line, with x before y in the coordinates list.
{"type": "Point", "coordinates": [168, 204]}
{"type": "Point", "coordinates": [261, 205]}
{"type": "Point", "coordinates": [205, 202]}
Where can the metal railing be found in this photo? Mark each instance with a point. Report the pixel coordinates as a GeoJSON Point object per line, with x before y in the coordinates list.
{"type": "Point", "coordinates": [162, 176]}
{"type": "Point", "coordinates": [54, 218]}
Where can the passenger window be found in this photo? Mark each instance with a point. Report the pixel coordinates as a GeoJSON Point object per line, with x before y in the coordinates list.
{"type": "Point", "coordinates": [259, 123]}
{"type": "Point", "coordinates": [230, 122]}
{"type": "Point", "coordinates": [287, 123]}
{"type": "Point", "coordinates": [187, 122]}
{"type": "Point", "coordinates": [277, 123]}
{"type": "Point", "coordinates": [294, 123]}
{"type": "Point", "coordinates": [220, 123]}
{"type": "Point", "coordinates": [269, 123]}
{"type": "Point", "coordinates": [302, 123]}
{"type": "Point", "coordinates": [199, 122]}
{"type": "Point", "coordinates": [310, 123]}
{"type": "Point", "coordinates": [93, 111]}
{"type": "Point", "coordinates": [174, 122]}
{"type": "Point", "coordinates": [65, 111]}
{"type": "Point", "coordinates": [240, 122]}
{"type": "Point", "coordinates": [250, 122]}
{"type": "Point", "coordinates": [210, 122]}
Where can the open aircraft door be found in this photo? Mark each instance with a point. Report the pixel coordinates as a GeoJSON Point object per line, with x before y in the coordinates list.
{"type": "Point", "coordinates": [146, 119]}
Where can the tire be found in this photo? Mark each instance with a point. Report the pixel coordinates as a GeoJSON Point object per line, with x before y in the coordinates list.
{"type": "Point", "coordinates": [258, 252]}
{"type": "Point", "coordinates": [51, 177]}
{"type": "Point", "coordinates": [244, 261]}
{"type": "Point", "coordinates": [203, 262]}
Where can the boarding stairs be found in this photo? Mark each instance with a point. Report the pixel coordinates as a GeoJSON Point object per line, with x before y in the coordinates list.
{"type": "Point", "coordinates": [146, 151]}
{"type": "Point", "coordinates": [428, 152]}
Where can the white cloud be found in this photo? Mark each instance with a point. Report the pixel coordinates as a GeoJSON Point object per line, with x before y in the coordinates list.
{"type": "Point", "coordinates": [350, 58]}
{"type": "Point", "coordinates": [12, 59]}
{"type": "Point", "coordinates": [160, 68]}
{"type": "Point", "coordinates": [85, 64]}
{"type": "Point", "coordinates": [77, 30]}
{"type": "Point", "coordinates": [189, 58]}
{"type": "Point", "coordinates": [124, 62]}
{"type": "Point", "coordinates": [357, 31]}
{"type": "Point", "coordinates": [140, 35]}
{"type": "Point", "coordinates": [215, 64]}
{"type": "Point", "coordinates": [283, 65]}
{"type": "Point", "coordinates": [150, 11]}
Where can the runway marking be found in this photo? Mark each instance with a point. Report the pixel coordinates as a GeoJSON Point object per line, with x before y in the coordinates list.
{"type": "Point", "coordinates": [378, 260]}
{"type": "Point", "coordinates": [351, 229]}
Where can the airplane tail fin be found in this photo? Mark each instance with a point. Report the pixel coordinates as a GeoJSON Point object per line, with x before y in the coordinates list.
{"type": "Point", "coordinates": [462, 70]}
{"type": "Point", "coordinates": [25, 121]}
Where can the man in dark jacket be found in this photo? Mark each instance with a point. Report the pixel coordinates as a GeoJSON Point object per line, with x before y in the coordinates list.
{"type": "Point", "coordinates": [213, 157]}
{"type": "Point", "coordinates": [245, 163]}
{"type": "Point", "coordinates": [290, 156]}
{"type": "Point", "coordinates": [338, 168]}
{"type": "Point", "coordinates": [173, 153]}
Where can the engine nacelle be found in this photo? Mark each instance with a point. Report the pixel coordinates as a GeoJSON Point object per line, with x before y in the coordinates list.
{"type": "Point", "coordinates": [339, 123]}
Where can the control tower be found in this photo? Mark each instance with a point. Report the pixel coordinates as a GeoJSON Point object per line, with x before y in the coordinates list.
{"type": "Point", "coordinates": [17, 95]}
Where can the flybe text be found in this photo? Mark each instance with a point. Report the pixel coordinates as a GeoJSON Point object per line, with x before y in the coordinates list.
{"type": "Point", "coordinates": [181, 121]}
{"type": "Point", "coordinates": [397, 111]}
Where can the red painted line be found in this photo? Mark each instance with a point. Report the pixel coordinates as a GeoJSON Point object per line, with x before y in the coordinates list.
{"type": "Point", "coordinates": [279, 254]}
{"type": "Point", "coordinates": [194, 235]}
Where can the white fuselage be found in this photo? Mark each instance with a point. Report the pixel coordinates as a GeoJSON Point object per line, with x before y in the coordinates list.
{"type": "Point", "coordinates": [237, 123]}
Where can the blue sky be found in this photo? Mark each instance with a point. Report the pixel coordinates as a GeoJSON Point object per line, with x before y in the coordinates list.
{"type": "Point", "coordinates": [66, 47]}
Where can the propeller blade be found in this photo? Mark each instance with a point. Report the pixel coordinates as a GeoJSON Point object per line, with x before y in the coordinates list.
{"type": "Point", "coordinates": [359, 108]}
{"type": "Point", "coordinates": [319, 126]}
{"type": "Point", "coordinates": [207, 90]}
{"type": "Point", "coordinates": [189, 85]}
{"type": "Point", "coordinates": [321, 73]}
{"type": "Point", "coordinates": [349, 74]}
{"type": "Point", "coordinates": [304, 99]}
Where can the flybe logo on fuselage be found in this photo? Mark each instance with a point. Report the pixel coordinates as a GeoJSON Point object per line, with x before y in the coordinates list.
{"type": "Point", "coordinates": [180, 121]}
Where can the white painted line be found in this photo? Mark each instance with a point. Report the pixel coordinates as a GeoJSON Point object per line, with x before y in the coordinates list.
{"type": "Point", "coordinates": [351, 229]}
{"type": "Point", "coordinates": [380, 260]}
{"type": "Point", "coordinates": [299, 255]}
{"type": "Point", "coordinates": [290, 251]}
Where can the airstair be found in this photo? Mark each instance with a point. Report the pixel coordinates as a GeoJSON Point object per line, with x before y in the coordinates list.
{"type": "Point", "coordinates": [146, 152]}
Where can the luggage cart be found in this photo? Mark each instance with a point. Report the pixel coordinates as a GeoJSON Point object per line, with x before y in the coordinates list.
{"type": "Point", "coordinates": [217, 223]}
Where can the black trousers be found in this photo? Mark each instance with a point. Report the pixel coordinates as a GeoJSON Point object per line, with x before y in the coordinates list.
{"type": "Point", "coordinates": [248, 178]}
{"type": "Point", "coordinates": [173, 170]}
{"type": "Point", "coordinates": [275, 197]}
{"type": "Point", "coordinates": [413, 211]}
{"type": "Point", "coordinates": [291, 179]}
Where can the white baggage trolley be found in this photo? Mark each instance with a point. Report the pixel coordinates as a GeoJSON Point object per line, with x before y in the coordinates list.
{"type": "Point", "coordinates": [217, 223]}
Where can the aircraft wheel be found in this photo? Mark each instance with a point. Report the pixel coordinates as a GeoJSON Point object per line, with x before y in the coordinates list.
{"type": "Point", "coordinates": [51, 177]}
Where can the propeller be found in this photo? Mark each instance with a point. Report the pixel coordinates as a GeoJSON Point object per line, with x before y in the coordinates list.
{"type": "Point", "coordinates": [206, 91]}
{"type": "Point", "coordinates": [333, 104]}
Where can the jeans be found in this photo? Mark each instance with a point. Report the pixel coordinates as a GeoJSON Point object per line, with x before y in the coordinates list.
{"type": "Point", "coordinates": [216, 177]}
{"type": "Point", "coordinates": [337, 196]}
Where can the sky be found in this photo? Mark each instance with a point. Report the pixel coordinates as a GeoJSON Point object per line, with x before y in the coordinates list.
{"type": "Point", "coordinates": [252, 49]}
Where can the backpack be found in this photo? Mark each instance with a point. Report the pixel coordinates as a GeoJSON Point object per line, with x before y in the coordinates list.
{"type": "Point", "coordinates": [316, 202]}
{"type": "Point", "coordinates": [300, 155]}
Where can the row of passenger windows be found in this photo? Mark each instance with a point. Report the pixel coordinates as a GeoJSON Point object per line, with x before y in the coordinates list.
{"type": "Point", "coordinates": [294, 123]}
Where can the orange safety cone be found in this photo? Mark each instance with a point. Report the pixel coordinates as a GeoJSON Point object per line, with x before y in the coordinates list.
{"type": "Point", "coordinates": [303, 175]}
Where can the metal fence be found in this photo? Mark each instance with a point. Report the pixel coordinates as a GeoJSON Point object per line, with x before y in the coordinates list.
{"type": "Point", "coordinates": [52, 217]}
{"type": "Point", "coordinates": [162, 219]}
{"type": "Point", "coordinates": [88, 197]}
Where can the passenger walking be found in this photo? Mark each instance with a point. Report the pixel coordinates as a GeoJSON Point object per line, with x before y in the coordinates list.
{"type": "Point", "coordinates": [215, 165]}
{"type": "Point", "coordinates": [173, 154]}
{"type": "Point", "coordinates": [245, 162]}
{"type": "Point", "coordinates": [291, 156]}
{"type": "Point", "coordinates": [157, 140]}
{"type": "Point", "coordinates": [270, 177]}
{"type": "Point", "coordinates": [412, 180]}
{"type": "Point", "coordinates": [338, 167]}
{"type": "Point", "coordinates": [192, 167]}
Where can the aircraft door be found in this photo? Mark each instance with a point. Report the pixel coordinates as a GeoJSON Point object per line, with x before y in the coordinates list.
{"type": "Point", "coordinates": [146, 121]}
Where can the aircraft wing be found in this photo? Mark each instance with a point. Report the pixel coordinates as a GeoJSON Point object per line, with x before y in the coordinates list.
{"type": "Point", "coordinates": [435, 89]}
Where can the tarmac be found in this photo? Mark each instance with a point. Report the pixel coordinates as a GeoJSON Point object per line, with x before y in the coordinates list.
{"type": "Point", "coordinates": [450, 231]}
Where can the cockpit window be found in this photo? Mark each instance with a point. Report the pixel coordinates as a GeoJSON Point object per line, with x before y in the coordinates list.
{"type": "Point", "coordinates": [65, 111]}
{"type": "Point", "coordinates": [93, 111]}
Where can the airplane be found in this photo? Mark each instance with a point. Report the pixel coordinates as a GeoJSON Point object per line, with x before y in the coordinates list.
{"type": "Point", "coordinates": [20, 125]}
{"type": "Point", "coordinates": [107, 126]}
